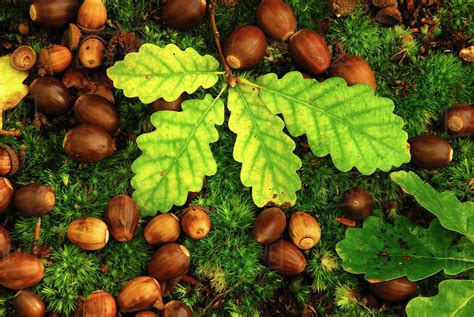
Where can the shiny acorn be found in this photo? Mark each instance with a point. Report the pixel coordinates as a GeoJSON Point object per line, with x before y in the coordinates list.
{"type": "Point", "coordinates": [92, 16]}
{"type": "Point", "coordinates": [5, 241]}
{"type": "Point", "coordinates": [99, 303]}
{"type": "Point", "coordinates": [28, 304]}
{"type": "Point", "coordinates": [304, 230]}
{"type": "Point", "coordinates": [54, 14]}
{"type": "Point", "coordinates": [161, 229]}
{"type": "Point", "coordinates": [6, 194]}
{"type": "Point", "coordinates": [50, 95]}
{"type": "Point", "coordinates": [459, 119]}
{"type": "Point", "coordinates": [54, 59]}
{"type": "Point", "coordinates": [354, 70]}
{"type": "Point", "coordinates": [341, 8]}
{"type": "Point", "coordinates": [19, 270]}
{"type": "Point", "coordinates": [430, 151]}
{"type": "Point", "coordinates": [99, 89]}
{"type": "Point", "coordinates": [245, 47]}
{"type": "Point", "coordinates": [184, 14]}
{"type": "Point", "coordinates": [357, 203]}
{"type": "Point", "coordinates": [394, 290]}
{"type": "Point", "coordinates": [23, 58]}
{"type": "Point", "coordinates": [177, 308]}
{"type": "Point", "coordinates": [196, 222]}
{"type": "Point", "coordinates": [285, 257]}
{"type": "Point", "coordinates": [88, 233]}
{"type": "Point", "coordinates": [140, 293]}
{"type": "Point", "coordinates": [161, 104]}
{"type": "Point", "coordinates": [98, 111]}
{"type": "Point", "coordinates": [9, 162]}
{"type": "Point", "coordinates": [91, 51]}
{"type": "Point", "coordinates": [309, 51]}
{"type": "Point", "coordinates": [88, 143]}
{"type": "Point", "coordinates": [269, 225]}
{"type": "Point", "coordinates": [169, 261]}
{"type": "Point", "coordinates": [35, 200]}
{"type": "Point", "coordinates": [277, 19]}
{"type": "Point", "coordinates": [122, 217]}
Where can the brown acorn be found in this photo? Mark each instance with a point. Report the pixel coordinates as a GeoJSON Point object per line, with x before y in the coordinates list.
{"type": "Point", "coordinates": [184, 14]}
{"type": "Point", "coordinates": [389, 16]}
{"type": "Point", "coordinates": [98, 89]}
{"type": "Point", "coordinates": [284, 257]}
{"type": "Point", "coordinates": [6, 194]}
{"type": "Point", "coordinates": [139, 293]}
{"type": "Point", "coordinates": [277, 19]}
{"type": "Point", "coordinates": [88, 143]}
{"type": "Point", "coordinates": [459, 119]}
{"type": "Point", "coordinates": [122, 217]}
{"type": "Point", "coordinates": [23, 27]}
{"type": "Point", "coordinates": [9, 162]}
{"type": "Point", "coordinates": [99, 303]}
{"type": "Point", "coordinates": [55, 59]}
{"type": "Point", "coordinates": [354, 70]}
{"type": "Point", "coordinates": [269, 225]}
{"type": "Point", "coordinates": [194, 195]}
{"type": "Point", "coordinates": [5, 241]}
{"type": "Point", "coordinates": [91, 51]}
{"type": "Point", "coordinates": [394, 290]}
{"type": "Point", "coordinates": [384, 3]}
{"type": "Point", "coordinates": [50, 95]}
{"type": "Point", "coordinates": [23, 58]}
{"type": "Point", "coordinates": [357, 203]}
{"type": "Point", "coordinates": [92, 16]}
{"type": "Point", "coordinates": [169, 261]}
{"type": "Point", "coordinates": [196, 222]}
{"type": "Point", "coordinates": [35, 200]}
{"type": "Point", "coordinates": [146, 313]}
{"type": "Point", "coordinates": [245, 47]}
{"type": "Point", "coordinates": [161, 229]}
{"type": "Point", "coordinates": [309, 51]}
{"type": "Point", "coordinates": [71, 37]}
{"type": "Point", "coordinates": [19, 270]}
{"type": "Point", "coordinates": [88, 233]}
{"type": "Point", "coordinates": [341, 8]}
{"type": "Point", "coordinates": [97, 110]}
{"type": "Point", "coordinates": [28, 304]}
{"type": "Point", "coordinates": [304, 230]}
{"type": "Point", "coordinates": [430, 151]}
{"type": "Point", "coordinates": [161, 104]}
{"type": "Point", "coordinates": [55, 14]}
{"type": "Point", "coordinates": [177, 308]}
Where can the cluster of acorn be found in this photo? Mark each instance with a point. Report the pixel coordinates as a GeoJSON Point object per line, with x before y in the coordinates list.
{"type": "Point", "coordinates": [387, 10]}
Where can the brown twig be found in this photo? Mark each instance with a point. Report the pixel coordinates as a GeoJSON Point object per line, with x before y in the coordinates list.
{"type": "Point", "coordinates": [215, 299]}
{"type": "Point", "coordinates": [38, 229]}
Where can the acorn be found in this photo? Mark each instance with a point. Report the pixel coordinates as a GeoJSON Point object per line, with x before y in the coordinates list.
{"type": "Point", "coordinates": [184, 14]}
{"type": "Point", "coordinates": [5, 241]}
{"type": "Point", "coordinates": [28, 304]}
{"type": "Point", "coordinates": [23, 27]}
{"type": "Point", "coordinates": [146, 313]}
{"type": "Point", "coordinates": [19, 270]}
{"type": "Point", "coordinates": [169, 261]}
{"type": "Point", "coordinates": [35, 200]}
{"type": "Point", "coordinates": [55, 59]}
{"type": "Point", "coordinates": [99, 303]}
{"type": "Point", "coordinates": [88, 233]}
{"type": "Point", "coordinates": [88, 143]}
{"type": "Point", "coordinates": [98, 89]}
{"type": "Point", "coordinates": [285, 257]}
{"type": "Point", "coordinates": [357, 203]}
{"type": "Point", "coordinates": [177, 308]}
{"type": "Point", "coordinates": [245, 47]}
{"type": "Point", "coordinates": [277, 19]}
{"type": "Point", "coordinates": [50, 95]}
{"type": "Point", "coordinates": [341, 8]}
{"type": "Point", "coordinates": [161, 229]}
{"type": "Point", "coordinates": [389, 16]}
{"type": "Point", "coordinates": [71, 37]}
{"type": "Point", "coordinates": [6, 194]}
{"type": "Point", "coordinates": [354, 70]}
{"type": "Point", "coordinates": [23, 58]}
{"type": "Point", "coordinates": [430, 151]}
{"type": "Point", "coordinates": [54, 14]}
{"type": "Point", "coordinates": [304, 230]}
{"type": "Point", "coordinates": [9, 162]}
{"type": "Point", "coordinates": [309, 51]}
{"type": "Point", "coordinates": [196, 222]}
{"type": "Point", "coordinates": [91, 51]}
{"type": "Point", "coordinates": [98, 111]}
{"type": "Point", "coordinates": [459, 119]}
{"type": "Point", "coordinates": [194, 195]}
{"type": "Point", "coordinates": [92, 16]}
{"type": "Point", "coordinates": [139, 293]}
{"type": "Point", "coordinates": [269, 225]}
{"type": "Point", "coordinates": [384, 3]}
{"type": "Point", "coordinates": [161, 104]}
{"type": "Point", "coordinates": [394, 290]}
{"type": "Point", "coordinates": [122, 217]}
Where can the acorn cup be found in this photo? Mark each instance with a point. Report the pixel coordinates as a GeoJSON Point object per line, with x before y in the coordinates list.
{"type": "Point", "coordinates": [161, 229]}
{"type": "Point", "coordinates": [196, 222]}
{"type": "Point", "coordinates": [177, 308]}
{"type": "Point", "coordinates": [91, 51]}
{"type": "Point", "coordinates": [459, 119]}
{"type": "Point", "coordinates": [6, 194]}
{"type": "Point", "coordinates": [430, 151]}
{"type": "Point", "coordinates": [285, 257]}
{"type": "Point", "coordinates": [357, 203]}
{"type": "Point", "coordinates": [122, 217]}
{"type": "Point", "coordinates": [99, 303]}
{"type": "Point", "coordinates": [19, 270]}
{"type": "Point", "coordinates": [5, 241]}
{"type": "Point", "coordinates": [23, 58]}
{"type": "Point", "coordinates": [92, 16]}
{"type": "Point", "coordinates": [394, 290]}
{"type": "Point", "coordinates": [184, 14]}
{"type": "Point", "coordinates": [54, 14]}
{"type": "Point", "coordinates": [54, 59]}
{"type": "Point", "coordinates": [169, 261]}
{"type": "Point", "coordinates": [71, 37]}
{"type": "Point", "coordinates": [269, 225]}
{"type": "Point", "coordinates": [98, 111]}
{"type": "Point", "coordinates": [50, 96]}
{"type": "Point", "coordinates": [28, 304]}
{"type": "Point", "coordinates": [245, 47]}
{"type": "Point", "coordinates": [9, 162]}
{"type": "Point", "coordinates": [309, 51]}
{"type": "Point", "coordinates": [277, 19]}
{"type": "Point", "coordinates": [304, 230]}
{"type": "Point", "coordinates": [140, 293]}
{"type": "Point", "coordinates": [88, 233]}
{"type": "Point", "coordinates": [353, 69]}
{"type": "Point", "coordinates": [35, 200]}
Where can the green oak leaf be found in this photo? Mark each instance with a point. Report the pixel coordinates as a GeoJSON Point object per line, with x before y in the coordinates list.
{"type": "Point", "coordinates": [351, 124]}
{"type": "Point", "coordinates": [176, 156]}
{"type": "Point", "coordinates": [268, 163]}
{"type": "Point", "coordinates": [385, 251]}
{"type": "Point", "coordinates": [453, 214]}
{"type": "Point", "coordinates": [455, 299]}
{"type": "Point", "coordinates": [154, 72]}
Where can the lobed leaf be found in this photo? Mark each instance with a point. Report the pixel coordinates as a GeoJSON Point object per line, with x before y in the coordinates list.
{"type": "Point", "coordinates": [176, 156]}
{"type": "Point", "coordinates": [351, 124]}
{"type": "Point", "coordinates": [12, 89]}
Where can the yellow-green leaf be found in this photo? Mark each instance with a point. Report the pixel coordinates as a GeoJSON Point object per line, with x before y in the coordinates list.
{"type": "Point", "coordinates": [12, 89]}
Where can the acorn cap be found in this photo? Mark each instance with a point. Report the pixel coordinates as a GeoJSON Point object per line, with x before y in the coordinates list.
{"type": "Point", "coordinates": [72, 37]}
{"type": "Point", "coordinates": [389, 16]}
{"type": "Point", "coordinates": [13, 164]}
{"type": "Point", "coordinates": [23, 58]}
